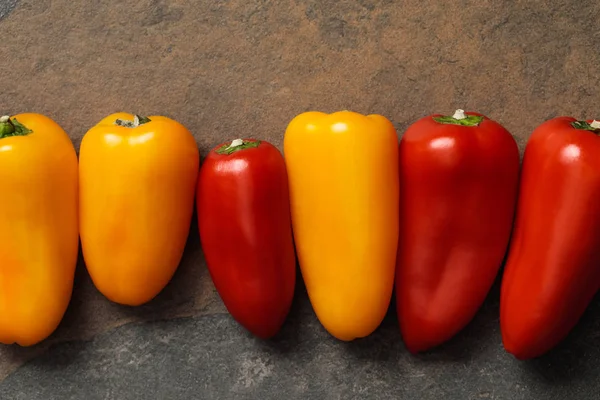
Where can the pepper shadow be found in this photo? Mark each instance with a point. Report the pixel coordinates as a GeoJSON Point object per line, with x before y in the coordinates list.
{"type": "Point", "coordinates": [178, 297]}
{"type": "Point", "coordinates": [90, 312]}
{"type": "Point", "coordinates": [290, 336]}
{"type": "Point", "coordinates": [477, 334]}
{"type": "Point", "coordinates": [574, 358]}
{"type": "Point", "coordinates": [481, 330]}
{"type": "Point", "coordinates": [66, 331]}
{"type": "Point", "coordinates": [384, 344]}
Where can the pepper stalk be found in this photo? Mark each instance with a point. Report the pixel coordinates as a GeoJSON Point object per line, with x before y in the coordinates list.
{"type": "Point", "coordinates": [11, 127]}
{"type": "Point", "coordinates": [237, 145]}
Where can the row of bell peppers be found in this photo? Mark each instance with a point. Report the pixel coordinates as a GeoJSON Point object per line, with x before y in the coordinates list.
{"type": "Point", "coordinates": [431, 215]}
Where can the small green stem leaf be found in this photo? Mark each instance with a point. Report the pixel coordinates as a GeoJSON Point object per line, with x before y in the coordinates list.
{"type": "Point", "coordinates": [469, 120]}
{"type": "Point", "coordinates": [20, 129]}
{"type": "Point", "coordinates": [585, 126]}
{"type": "Point", "coordinates": [142, 120]}
{"type": "Point", "coordinates": [12, 127]}
{"type": "Point", "coordinates": [236, 145]}
{"type": "Point", "coordinates": [137, 121]}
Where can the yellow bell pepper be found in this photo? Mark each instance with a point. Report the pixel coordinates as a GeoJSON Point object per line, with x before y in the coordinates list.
{"type": "Point", "coordinates": [344, 194]}
{"type": "Point", "coordinates": [38, 227]}
{"type": "Point", "coordinates": [137, 178]}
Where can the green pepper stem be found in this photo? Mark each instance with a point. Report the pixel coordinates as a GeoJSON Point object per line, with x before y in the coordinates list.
{"type": "Point", "coordinates": [594, 126]}
{"type": "Point", "coordinates": [6, 127]}
{"type": "Point", "coordinates": [137, 121]}
{"type": "Point", "coordinates": [459, 118]}
{"type": "Point", "coordinates": [237, 145]}
{"type": "Point", "coordinates": [12, 127]}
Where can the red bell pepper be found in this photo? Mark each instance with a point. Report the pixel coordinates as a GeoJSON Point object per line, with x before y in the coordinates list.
{"type": "Point", "coordinates": [553, 268]}
{"type": "Point", "coordinates": [458, 190]}
{"type": "Point", "coordinates": [246, 234]}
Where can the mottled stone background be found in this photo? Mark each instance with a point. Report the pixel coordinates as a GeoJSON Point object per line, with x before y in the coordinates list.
{"type": "Point", "coordinates": [246, 68]}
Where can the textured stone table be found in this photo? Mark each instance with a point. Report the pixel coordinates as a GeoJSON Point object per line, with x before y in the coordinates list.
{"type": "Point", "coordinates": [245, 68]}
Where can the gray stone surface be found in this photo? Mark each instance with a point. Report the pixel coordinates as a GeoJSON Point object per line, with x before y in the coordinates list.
{"type": "Point", "coordinates": [246, 68]}
{"type": "Point", "coordinates": [6, 6]}
{"type": "Point", "coordinates": [211, 357]}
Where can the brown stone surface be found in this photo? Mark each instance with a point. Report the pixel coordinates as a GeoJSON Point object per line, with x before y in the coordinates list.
{"type": "Point", "coordinates": [246, 68]}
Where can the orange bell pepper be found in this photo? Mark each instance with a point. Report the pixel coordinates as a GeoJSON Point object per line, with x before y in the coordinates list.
{"type": "Point", "coordinates": [137, 185]}
{"type": "Point", "coordinates": [344, 194]}
{"type": "Point", "coordinates": [38, 226]}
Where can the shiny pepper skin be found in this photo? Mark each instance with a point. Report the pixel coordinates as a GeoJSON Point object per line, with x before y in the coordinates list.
{"type": "Point", "coordinates": [246, 233]}
{"type": "Point", "coordinates": [553, 269]}
{"type": "Point", "coordinates": [38, 226]}
{"type": "Point", "coordinates": [458, 178]}
{"type": "Point", "coordinates": [344, 189]}
{"type": "Point", "coordinates": [137, 185]}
